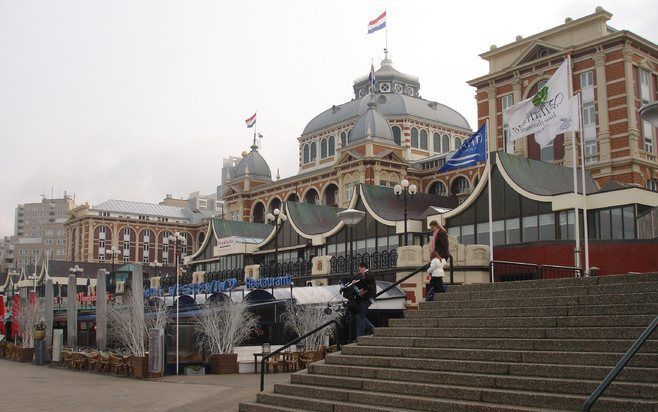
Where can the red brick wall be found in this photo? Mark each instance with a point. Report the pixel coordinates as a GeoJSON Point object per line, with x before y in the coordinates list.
{"type": "Point", "coordinates": [611, 257]}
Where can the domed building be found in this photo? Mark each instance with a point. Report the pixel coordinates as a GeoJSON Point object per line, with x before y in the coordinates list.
{"type": "Point", "coordinates": [385, 133]}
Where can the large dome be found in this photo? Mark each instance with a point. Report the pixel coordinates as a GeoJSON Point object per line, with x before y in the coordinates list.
{"type": "Point", "coordinates": [253, 165]}
{"type": "Point", "coordinates": [371, 124]}
{"type": "Point", "coordinates": [389, 104]}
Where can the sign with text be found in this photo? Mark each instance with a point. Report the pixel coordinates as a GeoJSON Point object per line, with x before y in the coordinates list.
{"type": "Point", "coordinates": [268, 282]}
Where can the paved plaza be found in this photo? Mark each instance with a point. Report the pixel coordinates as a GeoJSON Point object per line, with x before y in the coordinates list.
{"type": "Point", "coordinates": [26, 387]}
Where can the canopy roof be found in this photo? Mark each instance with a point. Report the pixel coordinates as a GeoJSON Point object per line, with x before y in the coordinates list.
{"type": "Point", "coordinates": [313, 219]}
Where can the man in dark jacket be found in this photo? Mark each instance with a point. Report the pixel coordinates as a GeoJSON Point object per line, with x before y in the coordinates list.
{"type": "Point", "coordinates": [365, 282]}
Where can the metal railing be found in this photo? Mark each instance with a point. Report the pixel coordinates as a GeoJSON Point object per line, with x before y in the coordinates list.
{"type": "Point", "coordinates": [637, 345]}
{"type": "Point", "coordinates": [324, 325]}
{"type": "Point", "coordinates": [301, 267]}
{"type": "Point", "coordinates": [377, 260]}
{"type": "Point", "coordinates": [505, 271]}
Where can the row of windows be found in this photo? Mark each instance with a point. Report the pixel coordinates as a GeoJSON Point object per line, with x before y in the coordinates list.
{"type": "Point", "coordinates": [440, 144]}
{"type": "Point", "coordinates": [327, 149]}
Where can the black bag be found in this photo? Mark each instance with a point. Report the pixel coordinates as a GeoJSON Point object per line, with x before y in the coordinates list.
{"type": "Point", "coordinates": [353, 306]}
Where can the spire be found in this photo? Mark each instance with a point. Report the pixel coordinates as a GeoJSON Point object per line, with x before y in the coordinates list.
{"type": "Point", "coordinates": [278, 175]}
{"type": "Point", "coordinates": [386, 62]}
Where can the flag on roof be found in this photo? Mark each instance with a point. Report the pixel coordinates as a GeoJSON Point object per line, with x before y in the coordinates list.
{"type": "Point", "coordinates": [377, 24]}
{"type": "Point", "coordinates": [371, 76]}
{"type": "Point", "coordinates": [472, 151]}
{"type": "Point", "coordinates": [251, 121]}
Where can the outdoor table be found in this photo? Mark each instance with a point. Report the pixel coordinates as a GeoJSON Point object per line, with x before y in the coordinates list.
{"type": "Point", "coordinates": [256, 355]}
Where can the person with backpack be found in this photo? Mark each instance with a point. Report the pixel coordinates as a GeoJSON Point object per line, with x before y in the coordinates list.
{"type": "Point", "coordinates": [367, 287]}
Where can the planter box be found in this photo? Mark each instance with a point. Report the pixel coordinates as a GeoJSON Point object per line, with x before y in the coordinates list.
{"type": "Point", "coordinates": [141, 366]}
{"type": "Point", "coordinates": [25, 355]}
{"type": "Point", "coordinates": [223, 364]}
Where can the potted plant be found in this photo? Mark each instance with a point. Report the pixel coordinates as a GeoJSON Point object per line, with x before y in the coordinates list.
{"type": "Point", "coordinates": [224, 326]}
{"type": "Point", "coordinates": [302, 319]}
{"type": "Point", "coordinates": [29, 313]}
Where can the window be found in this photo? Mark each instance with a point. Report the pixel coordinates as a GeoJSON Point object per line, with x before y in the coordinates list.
{"type": "Point", "coordinates": [547, 152]}
{"type": "Point", "coordinates": [414, 137]}
{"type": "Point", "coordinates": [645, 95]}
{"type": "Point", "coordinates": [652, 184]}
{"type": "Point", "coordinates": [397, 135]}
{"type": "Point", "coordinates": [506, 102]}
{"type": "Point", "coordinates": [349, 190]}
{"type": "Point", "coordinates": [332, 146]}
{"type": "Point", "coordinates": [385, 87]}
{"type": "Point", "coordinates": [458, 143]}
{"type": "Point", "coordinates": [410, 90]}
{"type": "Point", "coordinates": [459, 186]}
{"type": "Point", "coordinates": [305, 154]}
{"type": "Point", "coordinates": [445, 144]}
{"type": "Point", "coordinates": [343, 139]}
{"type": "Point", "coordinates": [589, 117]}
{"type": "Point", "coordinates": [323, 148]}
{"type": "Point", "coordinates": [586, 80]}
{"type": "Point", "coordinates": [361, 92]}
{"type": "Point", "coordinates": [398, 88]}
{"type": "Point", "coordinates": [436, 143]}
{"type": "Point", "coordinates": [423, 139]}
{"type": "Point", "coordinates": [314, 151]}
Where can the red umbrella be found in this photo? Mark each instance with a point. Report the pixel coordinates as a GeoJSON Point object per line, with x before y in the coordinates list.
{"type": "Point", "coordinates": [15, 310]}
{"type": "Point", "coordinates": [2, 315]}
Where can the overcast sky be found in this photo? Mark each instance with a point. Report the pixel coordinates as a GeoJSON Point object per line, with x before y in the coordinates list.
{"type": "Point", "coordinates": [134, 99]}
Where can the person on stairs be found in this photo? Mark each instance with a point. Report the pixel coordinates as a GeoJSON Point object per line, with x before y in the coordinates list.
{"type": "Point", "coordinates": [365, 282]}
{"type": "Point", "coordinates": [436, 276]}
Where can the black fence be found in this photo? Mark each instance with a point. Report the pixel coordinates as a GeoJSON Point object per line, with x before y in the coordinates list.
{"type": "Point", "coordinates": [376, 261]}
{"type": "Point", "coordinates": [296, 269]}
{"type": "Point", "coordinates": [504, 271]}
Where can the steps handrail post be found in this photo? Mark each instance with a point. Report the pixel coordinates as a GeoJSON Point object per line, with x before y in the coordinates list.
{"type": "Point", "coordinates": [637, 345]}
{"type": "Point", "coordinates": [452, 269]}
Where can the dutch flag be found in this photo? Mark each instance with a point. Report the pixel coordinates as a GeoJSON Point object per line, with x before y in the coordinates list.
{"type": "Point", "coordinates": [251, 121]}
{"type": "Point", "coordinates": [377, 24]}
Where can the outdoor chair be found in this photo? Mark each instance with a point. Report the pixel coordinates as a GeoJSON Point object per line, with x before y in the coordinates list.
{"type": "Point", "coordinates": [272, 364]}
{"type": "Point", "coordinates": [65, 359]}
{"type": "Point", "coordinates": [78, 361]}
{"type": "Point", "coordinates": [103, 362]}
{"type": "Point", "coordinates": [93, 362]}
{"type": "Point", "coordinates": [130, 365]}
{"type": "Point", "coordinates": [117, 365]}
{"type": "Point", "coordinates": [291, 361]}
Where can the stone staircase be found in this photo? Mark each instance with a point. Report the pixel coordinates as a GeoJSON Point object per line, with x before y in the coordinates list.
{"type": "Point", "coordinates": [517, 346]}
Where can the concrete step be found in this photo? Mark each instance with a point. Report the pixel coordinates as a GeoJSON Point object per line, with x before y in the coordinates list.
{"type": "Point", "coordinates": [385, 402]}
{"type": "Point", "coordinates": [540, 311]}
{"type": "Point", "coordinates": [553, 283]}
{"type": "Point", "coordinates": [574, 290]}
{"type": "Point", "coordinates": [260, 407]}
{"type": "Point", "coordinates": [532, 333]}
{"type": "Point", "coordinates": [569, 345]}
{"type": "Point", "coordinates": [561, 385]}
{"type": "Point", "coordinates": [306, 403]}
{"type": "Point", "coordinates": [629, 374]}
{"type": "Point", "coordinates": [526, 321]}
{"type": "Point", "coordinates": [569, 401]}
{"type": "Point", "coordinates": [552, 357]}
{"type": "Point", "coordinates": [502, 301]}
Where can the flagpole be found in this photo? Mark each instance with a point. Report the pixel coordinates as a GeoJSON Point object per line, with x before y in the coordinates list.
{"type": "Point", "coordinates": [582, 175]}
{"type": "Point", "coordinates": [491, 255]}
{"type": "Point", "coordinates": [255, 126]}
{"type": "Point", "coordinates": [386, 35]}
{"type": "Point", "coordinates": [574, 159]}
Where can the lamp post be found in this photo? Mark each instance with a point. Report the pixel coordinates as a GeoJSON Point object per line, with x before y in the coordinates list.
{"type": "Point", "coordinates": [74, 271]}
{"type": "Point", "coordinates": [114, 252]}
{"type": "Point", "coordinates": [155, 265]}
{"type": "Point", "coordinates": [350, 218]}
{"type": "Point", "coordinates": [177, 238]}
{"type": "Point", "coordinates": [276, 218]}
{"type": "Point", "coordinates": [404, 191]}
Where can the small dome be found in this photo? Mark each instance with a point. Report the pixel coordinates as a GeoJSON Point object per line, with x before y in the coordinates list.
{"type": "Point", "coordinates": [371, 124]}
{"type": "Point", "coordinates": [253, 165]}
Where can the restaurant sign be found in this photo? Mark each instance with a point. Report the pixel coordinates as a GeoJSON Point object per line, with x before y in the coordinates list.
{"type": "Point", "coordinates": [195, 288]}
{"type": "Point", "coordinates": [268, 282]}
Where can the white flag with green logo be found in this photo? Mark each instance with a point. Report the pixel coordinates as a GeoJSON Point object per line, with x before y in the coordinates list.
{"type": "Point", "coordinates": [546, 136]}
{"type": "Point", "coordinates": [548, 111]}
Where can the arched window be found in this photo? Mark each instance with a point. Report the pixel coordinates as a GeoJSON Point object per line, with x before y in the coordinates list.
{"type": "Point", "coordinates": [458, 143]}
{"type": "Point", "coordinates": [259, 213]}
{"type": "Point", "coordinates": [438, 188]}
{"type": "Point", "coordinates": [349, 135]}
{"type": "Point", "coordinates": [323, 148]}
{"type": "Point", "coordinates": [459, 186]}
{"type": "Point", "coordinates": [305, 154]}
{"type": "Point", "coordinates": [652, 184]}
{"type": "Point", "coordinates": [314, 151]}
{"type": "Point", "coordinates": [311, 197]}
{"type": "Point", "coordinates": [445, 144]}
{"type": "Point", "coordinates": [332, 146]}
{"type": "Point", "coordinates": [397, 135]}
{"type": "Point", "coordinates": [423, 139]}
{"type": "Point", "coordinates": [436, 142]}
{"type": "Point", "coordinates": [414, 137]}
{"type": "Point", "coordinates": [343, 139]}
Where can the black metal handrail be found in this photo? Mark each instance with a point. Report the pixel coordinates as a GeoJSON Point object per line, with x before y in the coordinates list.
{"type": "Point", "coordinates": [637, 345]}
{"type": "Point", "coordinates": [332, 321]}
{"type": "Point", "coordinates": [534, 272]}
{"type": "Point", "coordinates": [286, 346]}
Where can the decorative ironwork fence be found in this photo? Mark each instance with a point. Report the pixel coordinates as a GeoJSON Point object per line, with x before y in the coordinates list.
{"type": "Point", "coordinates": [376, 261]}
{"type": "Point", "coordinates": [301, 267]}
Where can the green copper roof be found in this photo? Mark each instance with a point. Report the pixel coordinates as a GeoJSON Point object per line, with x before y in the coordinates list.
{"type": "Point", "coordinates": [385, 204]}
{"type": "Point", "coordinates": [313, 219]}
{"type": "Point", "coordinates": [228, 228]}
{"type": "Point", "coordinates": [541, 178]}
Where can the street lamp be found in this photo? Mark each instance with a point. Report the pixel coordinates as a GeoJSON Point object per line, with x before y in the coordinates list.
{"type": "Point", "coordinates": [407, 192]}
{"type": "Point", "coordinates": [276, 218]}
{"type": "Point", "coordinates": [155, 265]}
{"type": "Point", "coordinates": [114, 252]}
{"type": "Point", "coordinates": [350, 217]}
{"type": "Point", "coordinates": [649, 112]}
{"type": "Point", "coordinates": [178, 239]}
{"type": "Point", "coordinates": [74, 271]}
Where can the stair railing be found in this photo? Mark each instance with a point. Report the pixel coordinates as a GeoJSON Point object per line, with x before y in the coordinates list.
{"type": "Point", "coordinates": [324, 325]}
{"type": "Point", "coordinates": [637, 345]}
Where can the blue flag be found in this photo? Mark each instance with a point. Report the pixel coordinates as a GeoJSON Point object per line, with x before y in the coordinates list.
{"type": "Point", "coordinates": [472, 151]}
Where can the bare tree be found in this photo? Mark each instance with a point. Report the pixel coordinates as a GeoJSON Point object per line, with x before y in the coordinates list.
{"type": "Point", "coordinates": [157, 315]}
{"type": "Point", "coordinates": [29, 314]}
{"type": "Point", "coordinates": [225, 325]}
{"type": "Point", "coordinates": [302, 319]}
{"type": "Point", "coordinates": [127, 325]}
